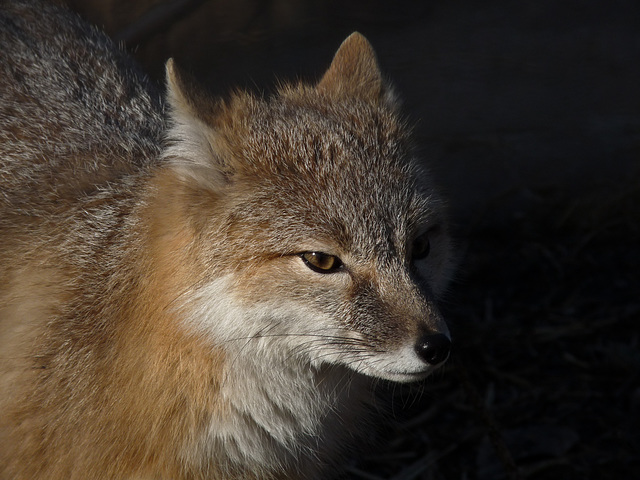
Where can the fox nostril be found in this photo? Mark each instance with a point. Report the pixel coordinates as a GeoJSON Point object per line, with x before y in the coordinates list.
{"type": "Point", "coordinates": [434, 348]}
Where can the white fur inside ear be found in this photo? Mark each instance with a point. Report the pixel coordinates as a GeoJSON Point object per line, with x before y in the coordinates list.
{"type": "Point", "coordinates": [190, 140]}
{"type": "Point", "coordinates": [190, 151]}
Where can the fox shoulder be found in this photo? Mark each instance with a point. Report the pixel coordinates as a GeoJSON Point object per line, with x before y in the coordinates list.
{"type": "Point", "coordinates": [75, 109]}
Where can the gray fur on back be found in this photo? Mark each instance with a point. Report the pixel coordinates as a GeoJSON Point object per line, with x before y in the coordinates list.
{"type": "Point", "coordinates": [75, 111]}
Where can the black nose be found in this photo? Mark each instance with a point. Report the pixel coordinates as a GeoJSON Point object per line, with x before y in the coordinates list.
{"type": "Point", "coordinates": [434, 348]}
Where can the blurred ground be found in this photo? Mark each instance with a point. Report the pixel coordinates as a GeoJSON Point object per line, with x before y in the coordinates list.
{"type": "Point", "coordinates": [529, 116]}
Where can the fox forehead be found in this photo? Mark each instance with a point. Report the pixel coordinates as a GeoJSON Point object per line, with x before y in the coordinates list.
{"type": "Point", "coordinates": [303, 132]}
{"type": "Point", "coordinates": [345, 172]}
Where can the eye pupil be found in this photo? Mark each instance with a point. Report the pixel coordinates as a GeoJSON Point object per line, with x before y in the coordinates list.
{"type": "Point", "coordinates": [321, 262]}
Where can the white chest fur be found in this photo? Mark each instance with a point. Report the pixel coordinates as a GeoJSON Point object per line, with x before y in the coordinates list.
{"type": "Point", "coordinates": [277, 409]}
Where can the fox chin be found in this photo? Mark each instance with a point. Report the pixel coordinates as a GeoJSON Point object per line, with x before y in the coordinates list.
{"type": "Point", "coordinates": [195, 287]}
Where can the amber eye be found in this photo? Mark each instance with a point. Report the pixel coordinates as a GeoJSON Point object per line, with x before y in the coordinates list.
{"type": "Point", "coordinates": [321, 262]}
{"type": "Point", "coordinates": [421, 247]}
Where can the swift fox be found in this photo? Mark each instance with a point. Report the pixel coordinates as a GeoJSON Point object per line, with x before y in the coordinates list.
{"type": "Point", "coordinates": [202, 288]}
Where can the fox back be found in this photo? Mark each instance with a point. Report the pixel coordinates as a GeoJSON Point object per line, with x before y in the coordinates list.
{"type": "Point", "coordinates": [202, 288]}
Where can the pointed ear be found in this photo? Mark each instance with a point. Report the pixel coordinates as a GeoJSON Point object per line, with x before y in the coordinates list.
{"type": "Point", "coordinates": [354, 70]}
{"type": "Point", "coordinates": [193, 141]}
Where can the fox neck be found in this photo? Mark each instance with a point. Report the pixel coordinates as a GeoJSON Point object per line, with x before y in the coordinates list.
{"type": "Point", "coordinates": [276, 413]}
{"type": "Point", "coordinates": [276, 404]}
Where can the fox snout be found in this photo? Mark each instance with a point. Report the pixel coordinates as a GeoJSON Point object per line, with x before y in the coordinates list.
{"type": "Point", "coordinates": [408, 337]}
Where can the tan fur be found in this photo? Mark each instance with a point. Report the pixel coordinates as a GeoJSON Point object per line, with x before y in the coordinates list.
{"type": "Point", "coordinates": [157, 319]}
{"type": "Point", "coordinates": [354, 72]}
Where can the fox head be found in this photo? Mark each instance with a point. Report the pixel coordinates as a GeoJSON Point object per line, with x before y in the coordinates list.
{"type": "Point", "coordinates": [313, 232]}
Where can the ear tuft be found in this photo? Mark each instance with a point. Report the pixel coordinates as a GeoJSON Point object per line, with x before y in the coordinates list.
{"type": "Point", "coordinates": [186, 95]}
{"type": "Point", "coordinates": [354, 70]}
{"type": "Point", "coordinates": [174, 91]}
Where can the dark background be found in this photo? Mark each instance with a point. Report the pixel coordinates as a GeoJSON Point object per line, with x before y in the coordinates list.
{"type": "Point", "coordinates": [528, 114]}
